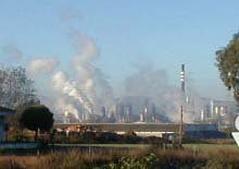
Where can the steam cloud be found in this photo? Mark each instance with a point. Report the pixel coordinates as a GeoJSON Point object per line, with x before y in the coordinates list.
{"type": "Point", "coordinates": [82, 91]}
{"type": "Point", "coordinates": [42, 66]}
{"type": "Point", "coordinates": [85, 89]}
{"type": "Point", "coordinates": [69, 89]}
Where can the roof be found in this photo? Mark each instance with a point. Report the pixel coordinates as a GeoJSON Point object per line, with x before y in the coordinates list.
{"type": "Point", "coordinates": [119, 127]}
{"type": "Point", "coordinates": [6, 111]}
{"type": "Point", "coordinates": [143, 127]}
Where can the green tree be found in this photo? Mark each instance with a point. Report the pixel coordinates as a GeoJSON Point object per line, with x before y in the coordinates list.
{"type": "Point", "coordinates": [36, 118]}
{"type": "Point", "coordinates": [228, 65]}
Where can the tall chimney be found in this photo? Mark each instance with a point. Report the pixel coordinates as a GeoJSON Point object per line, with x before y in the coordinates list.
{"type": "Point", "coordinates": [182, 79]}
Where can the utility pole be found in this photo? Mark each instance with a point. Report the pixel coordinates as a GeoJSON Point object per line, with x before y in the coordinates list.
{"type": "Point", "coordinates": [182, 79]}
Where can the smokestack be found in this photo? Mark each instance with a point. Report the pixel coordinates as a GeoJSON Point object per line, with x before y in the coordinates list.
{"type": "Point", "coordinates": [141, 117]}
{"type": "Point", "coordinates": [202, 115]}
{"type": "Point", "coordinates": [103, 111]}
{"type": "Point", "coordinates": [182, 78]}
{"type": "Point", "coordinates": [212, 108]}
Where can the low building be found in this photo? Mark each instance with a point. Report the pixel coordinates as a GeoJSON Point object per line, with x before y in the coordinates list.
{"type": "Point", "coordinates": [203, 131]}
{"type": "Point", "coordinates": [194, 131]}
{"type": "Point", "coordinates": [4, 112]}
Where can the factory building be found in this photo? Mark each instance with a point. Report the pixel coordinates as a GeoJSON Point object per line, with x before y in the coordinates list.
{"type": "Point", "coordinates": [193, 131]}
{"type": "Point", "coordinates": [137, 109]}
{"type": "Point", "coordinates": [217, 111]}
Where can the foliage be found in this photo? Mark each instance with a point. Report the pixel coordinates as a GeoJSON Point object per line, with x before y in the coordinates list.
{"type": "Point", "coordinates": [16, 89]}
{"type": "Point", "coordinates": [17, 92]}
{"type": "Point", "coordinates": [130, 159]}
{"type": "Point", "coordinates": [37, 117]}
{"type": "Point", "coordinates": [228, 65]}
{"type": "Point", "coordinates": [146, 162]}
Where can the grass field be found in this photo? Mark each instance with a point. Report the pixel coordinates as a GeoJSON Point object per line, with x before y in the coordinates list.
{"type": "Point", "coordinates": [203, 156]}
{"type": "Point", "coordinates": [201, 147]}
{"type": "Point", "coordinates": [211, 147]}
{"type": "Point", "coordinates": [105, 145]}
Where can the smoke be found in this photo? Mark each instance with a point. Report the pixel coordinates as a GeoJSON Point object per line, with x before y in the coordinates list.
{"type": "Point", "coordinates": [82, 62]}
{"type": "Point", "coordinates": [85, 89]}
{"type": "Point", "coordinates": [42, 66]}
{"type": "Point", "coordinates": [92, 80]}
{"type": "Point", "coordinates": [81, 91]}
{"type": "Point", "coordinates": [154, 84]}
{"type": "Point", "coordinates": [68, 88]}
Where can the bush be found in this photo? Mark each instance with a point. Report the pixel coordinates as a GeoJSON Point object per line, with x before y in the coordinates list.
{"type": "Point", "coordinates": [147, 162]}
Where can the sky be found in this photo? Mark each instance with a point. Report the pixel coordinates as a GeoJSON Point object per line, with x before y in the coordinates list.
{"type": "Point", "coordinates": [128, 34]}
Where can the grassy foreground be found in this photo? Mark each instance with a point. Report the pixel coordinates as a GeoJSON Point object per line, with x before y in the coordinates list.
{"type": "Point", "coordinates": [212, 147]}
{"type": "Point", "coordinates": [196, 156]}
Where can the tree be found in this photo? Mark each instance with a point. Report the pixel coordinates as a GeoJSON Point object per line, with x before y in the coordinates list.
{"type": "Point", "coordinates": [36, 118]}
{"type": "Point", "coordinates": [16, 89]}
{"type": "Point", "coordinates": [228, 65]}
{"type": "Point", "coordinates": [17, 92]}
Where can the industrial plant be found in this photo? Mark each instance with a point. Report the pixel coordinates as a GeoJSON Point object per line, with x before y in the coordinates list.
{"type": "Point", "coordinates": [142, 114]}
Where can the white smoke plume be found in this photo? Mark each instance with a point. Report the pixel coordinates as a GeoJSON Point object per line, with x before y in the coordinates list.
{"type": "Point", "coordinates": [93, 83]}
{"type": "Point", "coordinates": [42, 66]}
{"type": "Point", "coordinates": [86, 53]}
{"type": "Point", "coordinates": [65, 87]}
{"type": "Point", "coordinates": [82, 91]}
{"type": "Point", "coordinates": [85, 89]}
{"type": "Point", "coordinates": [65, 104]}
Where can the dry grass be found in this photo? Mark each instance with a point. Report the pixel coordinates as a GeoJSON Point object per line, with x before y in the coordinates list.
{"type": "Point", "coordinates": [188, 157]}
{"type": "Point", "coordinates": [71, 159]}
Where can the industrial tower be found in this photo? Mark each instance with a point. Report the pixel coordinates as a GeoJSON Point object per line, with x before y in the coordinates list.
{"type": "Point", "coordinates": [182, 107]}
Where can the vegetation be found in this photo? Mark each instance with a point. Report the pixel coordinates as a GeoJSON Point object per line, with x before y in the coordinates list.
{"type": "Point", "coordinates": [16, 88]}
{"type": "Point", "coordinates": [17, 92]}
{"type": "Point", "coordinates": [37, 118]}
{"type": "Point", "coordinates": [187, 158]}
{"type": "Point", "coordinates": [228, 65]}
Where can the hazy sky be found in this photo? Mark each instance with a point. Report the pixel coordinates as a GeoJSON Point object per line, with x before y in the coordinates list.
{"type": "Point", "coordinates": [127, 33]}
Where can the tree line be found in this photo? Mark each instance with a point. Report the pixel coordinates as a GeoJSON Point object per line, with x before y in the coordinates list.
{"type": "Point", "coordinates": [18, 93]}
